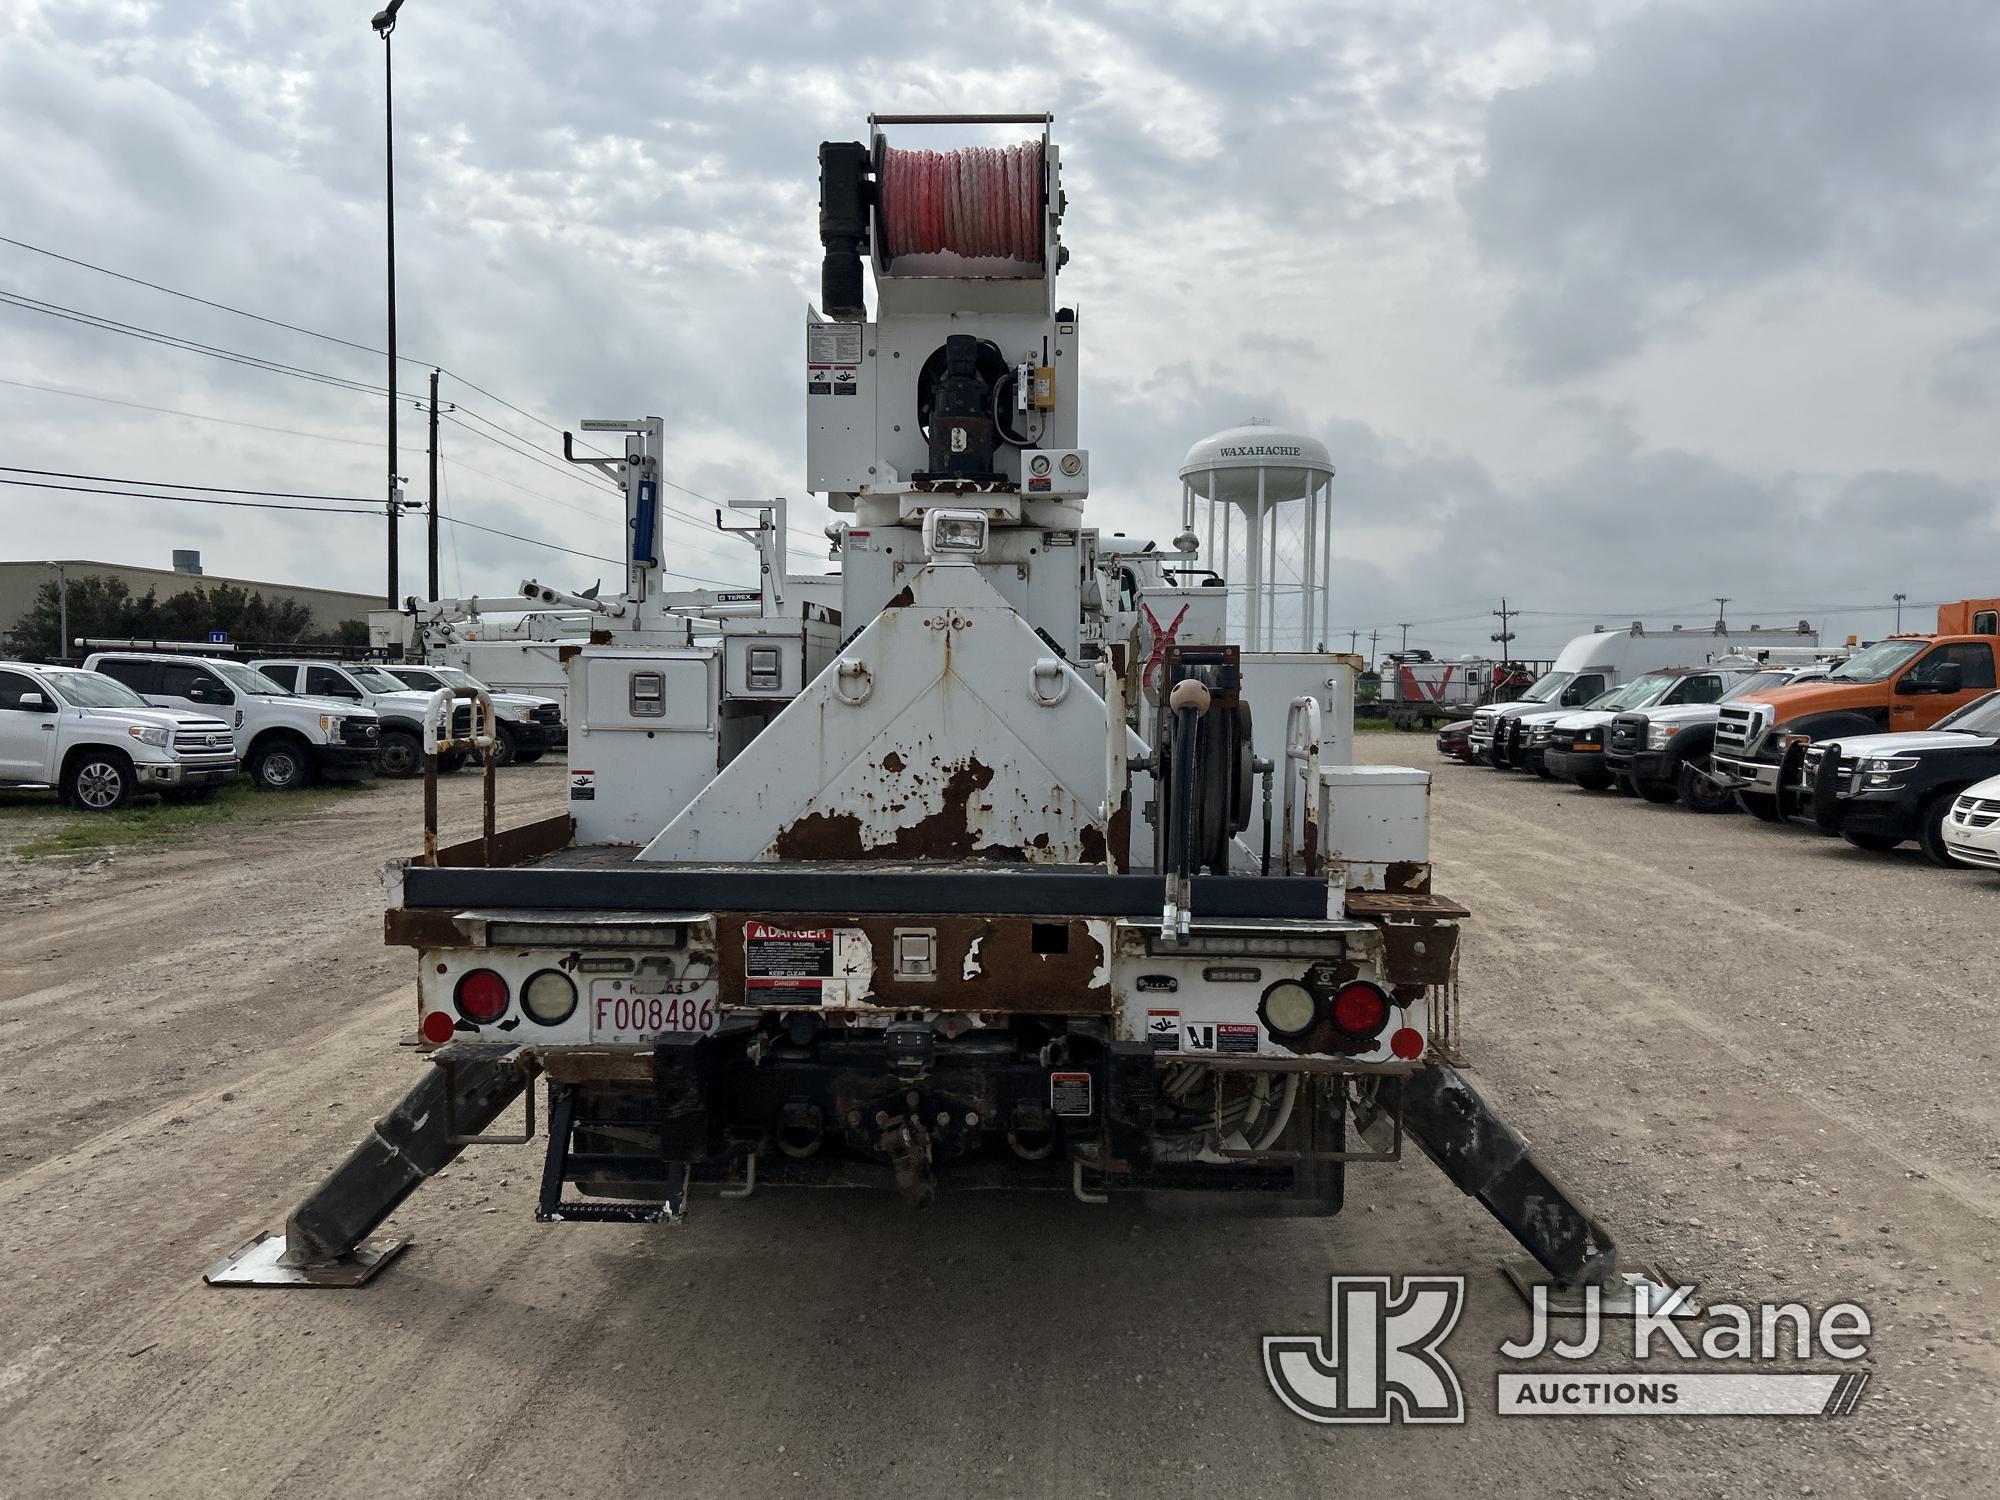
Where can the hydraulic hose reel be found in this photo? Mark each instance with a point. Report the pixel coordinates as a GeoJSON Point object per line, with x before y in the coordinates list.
{"type": "Point", "coordinates": [1204, 767]}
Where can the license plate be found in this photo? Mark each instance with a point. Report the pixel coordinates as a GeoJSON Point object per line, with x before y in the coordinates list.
{"type": "Point", "coordinates": [624, 1012]}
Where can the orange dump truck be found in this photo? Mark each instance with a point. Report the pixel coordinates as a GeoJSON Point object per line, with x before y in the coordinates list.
{"type": "Point", "coordinates": [1903, 682]}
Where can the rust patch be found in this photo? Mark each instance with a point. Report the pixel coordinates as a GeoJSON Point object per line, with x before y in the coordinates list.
{"type": "Point", "coordinates": [901, 599]}
{"type": "Point", "coordinates": [944, 834]}
{"type": "Point", "coordinates": [1092, 838]}
{"type": "Point", "coordinates": [420, 927]}
{"type": "Point", "coordinates": [1011, 976]}
{"type": "Point", "coordinates": [1403, 963]}
{"type": "Point", "coordinates": [1407, 875]}
{"type": "Point", "coordinates": [892, 763]}
{"type": "Point", "coordinates": [600, 638]}
{"type": "Point", "coordinates": [565, 653]}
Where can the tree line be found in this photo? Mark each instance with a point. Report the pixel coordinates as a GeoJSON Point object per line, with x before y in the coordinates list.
{"type": "Point", "coordinates": [103, 607]}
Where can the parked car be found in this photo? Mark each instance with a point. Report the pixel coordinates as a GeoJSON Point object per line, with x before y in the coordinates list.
{"type": "Point", "coordinates": [284, 741]}
{"type": "Point", "coordinates": [1880, 790]}
{"type": "Point", "coordinates": [1454, 741]}
{"type": "Point", "coordinates": [1576, 749]}
{"type": "Point", "coordinates": [528, 727]}
{"type": "Point", "coordinates": [1663, 752]}
{"type": "Point", "coordinates": [97, 742]}
{"type": "Point", "coordinates": [1972, 831]}
{"type": "Point", "coordinates": [399, 707]}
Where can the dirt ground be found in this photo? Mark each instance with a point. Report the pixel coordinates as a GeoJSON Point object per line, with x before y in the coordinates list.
{"type": "Point", "coordinates": [1763, 1059]}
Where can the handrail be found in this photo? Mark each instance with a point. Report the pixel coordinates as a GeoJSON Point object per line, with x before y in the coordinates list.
{"type": "Point", "coordinates": [438, 738]}
{"type": "Point", "coordinates": [1304, 710]}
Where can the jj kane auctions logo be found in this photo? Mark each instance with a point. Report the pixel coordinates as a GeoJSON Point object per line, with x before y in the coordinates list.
{"type": "Point", "coordinates": [1382, 1357]}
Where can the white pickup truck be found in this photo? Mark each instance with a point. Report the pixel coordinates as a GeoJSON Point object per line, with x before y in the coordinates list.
{"type": "Point", "coordinates": [97, 742]}
{"type": "Point", "coordinates": [399, 707]}
{"type": "Point", "coordinates": [284, 741]}
{"type": "Point", "coordinates": [529, 726]}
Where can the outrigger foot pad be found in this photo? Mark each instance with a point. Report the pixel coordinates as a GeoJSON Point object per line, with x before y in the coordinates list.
{"type": "Point", "coordinates": [261, 1262]}
{"type": "Point", "coordinates": [327, 1241]}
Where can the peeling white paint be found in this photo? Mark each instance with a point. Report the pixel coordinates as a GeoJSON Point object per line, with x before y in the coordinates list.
{"type": "Point", "coordinates": [972, 970]}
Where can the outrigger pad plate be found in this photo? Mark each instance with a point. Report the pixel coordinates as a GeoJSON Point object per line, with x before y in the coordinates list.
{"type": "Point", "coordinates": [256, 1264]}
{"type": "Point", "coordinates": [1619, 1300]}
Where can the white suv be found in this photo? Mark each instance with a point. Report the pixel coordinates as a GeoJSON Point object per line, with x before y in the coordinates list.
{"type": "Point", "coordinates": [97, 742]}
{"type": "Point", "coordinates": [284, 741]}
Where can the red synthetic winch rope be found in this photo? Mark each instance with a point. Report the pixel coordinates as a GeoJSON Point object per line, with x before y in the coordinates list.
{"type": "Point", "coordinates": [977, 201]}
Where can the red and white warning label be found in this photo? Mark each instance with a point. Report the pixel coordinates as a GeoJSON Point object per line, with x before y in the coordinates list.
{"type": "Point", "coordinates": [806, 966]}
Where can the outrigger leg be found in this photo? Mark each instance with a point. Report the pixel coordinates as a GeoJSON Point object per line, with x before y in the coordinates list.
{"type": "Point", "coordinates": [326, 1241]}
{"type": "Point", "coordinates": [1489, 1160]}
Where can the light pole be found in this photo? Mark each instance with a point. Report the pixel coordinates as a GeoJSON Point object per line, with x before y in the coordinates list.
{"type": "Point", "coordinates": [1899, 612]}
{"type": "Point", "coordinates": [62, 611]}
{"type": "Point", "coordinates": [385, 23]}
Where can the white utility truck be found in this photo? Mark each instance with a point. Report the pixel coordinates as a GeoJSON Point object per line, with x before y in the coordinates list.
{"type": "Point", "coordinates": [97, 742]}
{"type": "Point", "coordinates": [398, 708]}
{"type": "Point", "coordinates": [966, 883]}
{"type": "Point", "coordinates": [527, 726]}
{"type": "Point", "coordinates": [284, 741]}
{"type": "Point", "coordinates": [1603, 659]}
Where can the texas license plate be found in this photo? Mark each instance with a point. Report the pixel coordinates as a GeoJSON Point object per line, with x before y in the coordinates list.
{"type": "Point", "coordinates": [624, 1012]}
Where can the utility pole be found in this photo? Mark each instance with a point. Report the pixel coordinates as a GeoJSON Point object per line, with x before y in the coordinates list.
{"type": "Point", "coordinates": [384, 22]}
{"type": "Point", "coordinates": [1721, 612]}
{"type": "Point", "coordinates": [62, 610]}
{"type": "Point", "coordinates": [1405, 628]}
{"type": "Point", "coordinates": [1353, 642]}
{"type": "Point", "coordinates": [1373, 637]}
{"type": "Point", "coordinates": [434, 483]}
{"type": "Point", "coordinates": [1899, 612]}
{"type": "Point", "coordinates": [1503, 635]}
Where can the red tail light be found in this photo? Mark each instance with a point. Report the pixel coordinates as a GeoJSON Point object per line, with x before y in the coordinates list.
{"type": "Point", "coordinates": [481, 997]}
{"type": "Point", "coordinates": [438, 1027]}
{"type": "Point", "coordinates": [1361, 1008]}
{"type": "Point", "coordinates": [1407, 1043]}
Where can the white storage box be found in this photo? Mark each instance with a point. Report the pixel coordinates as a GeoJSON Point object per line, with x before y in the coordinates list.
{"type": "Point", "coordinates": [1378, 823]}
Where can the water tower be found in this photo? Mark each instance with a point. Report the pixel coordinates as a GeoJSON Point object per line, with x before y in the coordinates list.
{"type": "Point", "coordinates": [1278, 555]}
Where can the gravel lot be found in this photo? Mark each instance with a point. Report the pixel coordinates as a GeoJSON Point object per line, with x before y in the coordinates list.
{"type": "Point", "coordinates": [1762, 1058]}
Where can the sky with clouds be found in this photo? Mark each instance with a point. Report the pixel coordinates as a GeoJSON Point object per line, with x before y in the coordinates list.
{"type": "Point", "coordinates": [1608, 307]}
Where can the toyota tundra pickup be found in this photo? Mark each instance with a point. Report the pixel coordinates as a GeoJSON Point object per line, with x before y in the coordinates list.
{"type": "Point", "coordinates": [97, 742]}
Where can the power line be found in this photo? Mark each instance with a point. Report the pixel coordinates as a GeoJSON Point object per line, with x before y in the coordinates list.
{"type": "Point", "coordinates": [167, 484]}
{"type": "Point", "coordinates": [172, 411]}
{"type": "Point", "coordinates": [320, 510]}
{"type": "Point", "coordinates": [189, 346]}
{"type": "Point", "coordinates": [205, 302]}
{"type": "Point", "coordinates": [280, 323]}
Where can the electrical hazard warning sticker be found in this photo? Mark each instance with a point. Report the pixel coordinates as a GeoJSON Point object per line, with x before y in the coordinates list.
{"type": "Point", "coordinates": [1163, 1030]}
{"type": "Point", "coordinates": [806, 966]}
{"type": "Point", "coordinates": [1069, 1095]}
{"type": "Point", "coordinates": [1236, 1036]}
{"type": "Point", "coordinates": [582, 786]}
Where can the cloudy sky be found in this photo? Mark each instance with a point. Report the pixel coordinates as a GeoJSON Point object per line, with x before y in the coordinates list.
{"type": "Point", "coordinates": [1607, 307]}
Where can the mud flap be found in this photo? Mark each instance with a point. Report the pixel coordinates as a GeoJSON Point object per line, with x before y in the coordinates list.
{"type": "Point", "coordinates": [326, 1242]}
{"type": "Point", "coordinates": [1488, 1160]}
